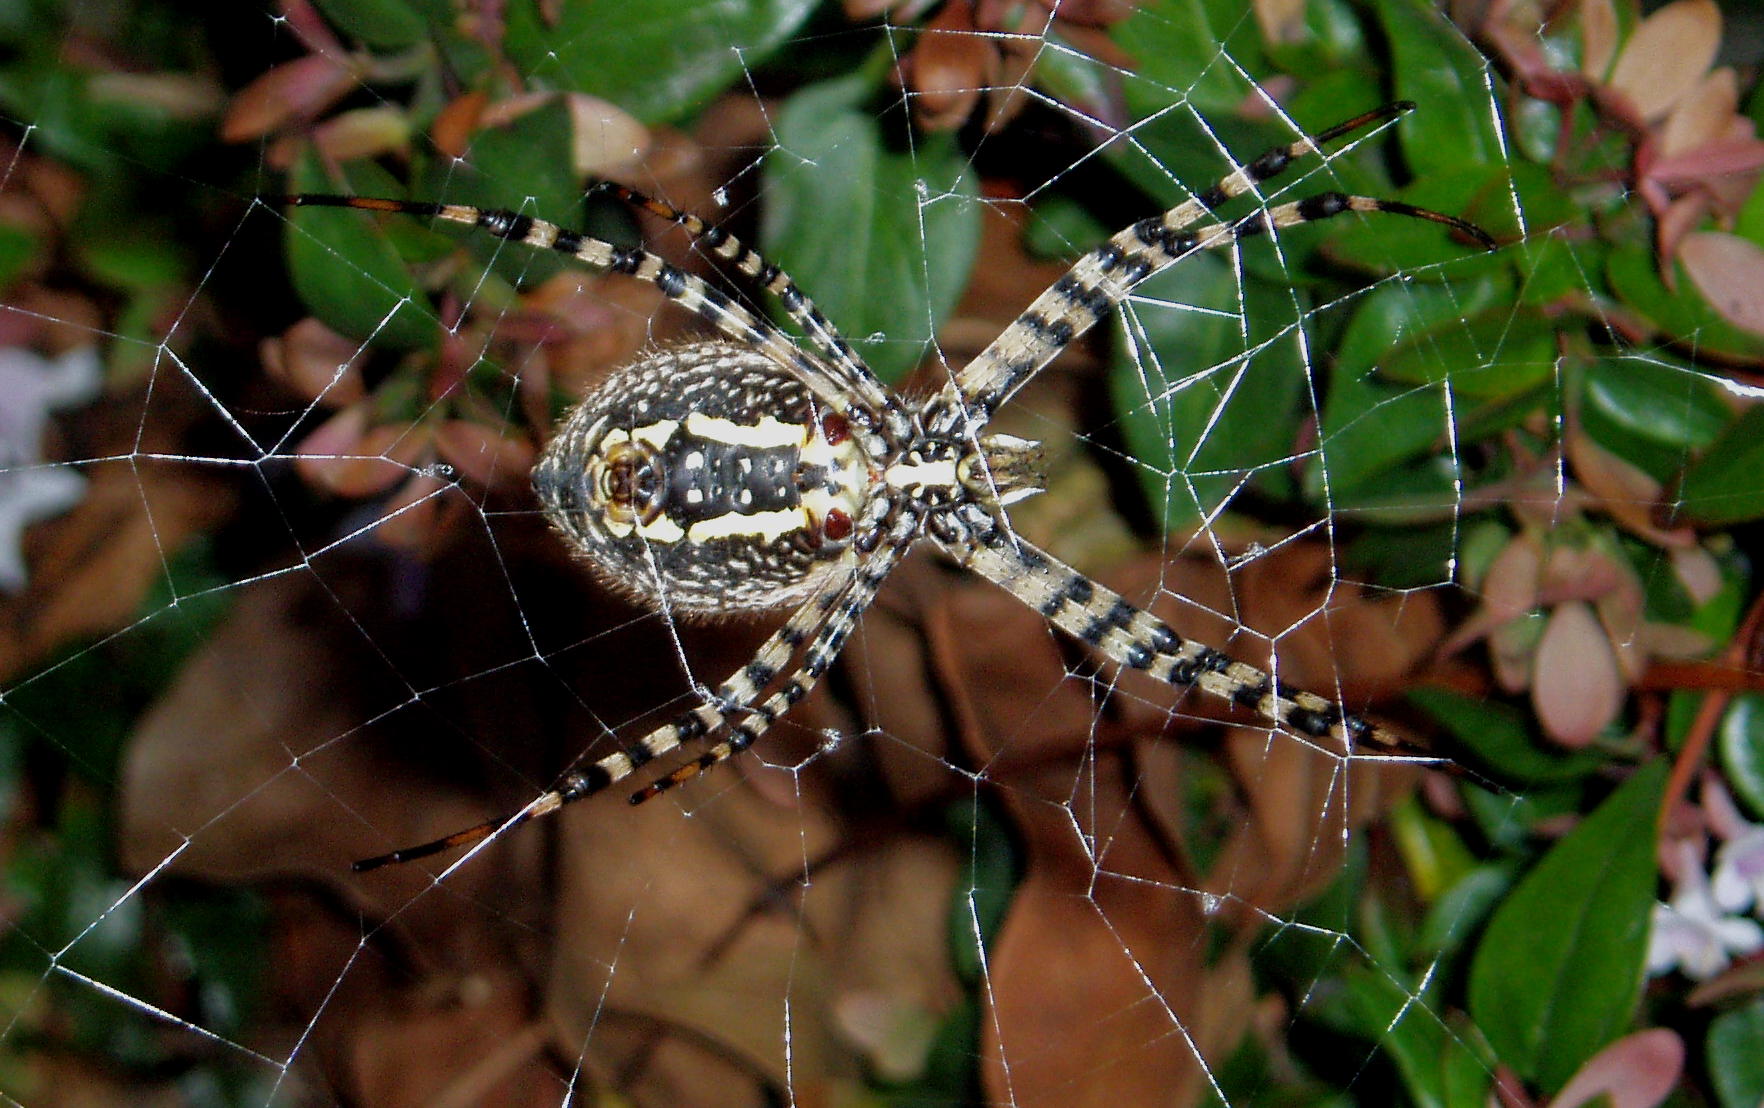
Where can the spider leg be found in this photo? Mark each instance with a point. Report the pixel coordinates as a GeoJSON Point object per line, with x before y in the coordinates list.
{"type": "Point", "coordinates": [1104, 277]}
{"type": "Point", "coordinates": [853, 373]}
{"type": "Point", "coordinates": [1134, 638]}
{"type": "Point", "coordinates": [830, 385]}
{"type": "Point", "coordinates": [829, 640]}
{"type": "Point", "coordinates": [829, 615]}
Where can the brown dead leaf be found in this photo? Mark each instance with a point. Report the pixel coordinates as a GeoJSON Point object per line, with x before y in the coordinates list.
{"type": "Point", "coordinates": [317, 363]}
{"type": "Point", "coordinates": [704, 926]}
{"type": "Point", "coordinates": [1096, 976]}
{"type": "Point", "coordinates": [1667, 55]}
{"type": "Point", "coordinates": [92, 568]}
{"type": "Point", "coordinates": [495, 1052]}
{"type": "Point", "coordinates": [948, 67]}
{"type": "Point", "coordinates": [291, 92]}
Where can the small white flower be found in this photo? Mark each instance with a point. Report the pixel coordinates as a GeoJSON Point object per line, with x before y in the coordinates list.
{"type": "Point", "coordinates": [1692, 932]}
{"type": "Point", "coordinates": [30, 388]}
{"type": "Point", "coordinates": [1739, 871]}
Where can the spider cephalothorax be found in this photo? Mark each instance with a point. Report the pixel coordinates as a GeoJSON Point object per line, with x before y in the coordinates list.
{"type": "Point", "coordinates": [750, 471]}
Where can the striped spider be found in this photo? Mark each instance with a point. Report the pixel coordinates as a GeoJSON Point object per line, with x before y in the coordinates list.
{"type": "Point", "coordinates": [748, 472]}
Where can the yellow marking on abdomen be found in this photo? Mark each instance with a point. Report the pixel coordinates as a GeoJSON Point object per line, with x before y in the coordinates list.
{"type": "Point", "coordinates": [769, 433]}
{"type": "Point", "coordinates": [764, 526]}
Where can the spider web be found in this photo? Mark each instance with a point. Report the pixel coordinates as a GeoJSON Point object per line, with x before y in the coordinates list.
{"type": "Point", "coordinates": [286, 601]}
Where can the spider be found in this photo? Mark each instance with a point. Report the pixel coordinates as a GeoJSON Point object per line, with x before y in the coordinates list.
{"type": "Point", "coordinates": [748, 472]}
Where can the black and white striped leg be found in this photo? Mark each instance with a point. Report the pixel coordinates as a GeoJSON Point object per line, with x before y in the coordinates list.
{"type": "Point", "coordinates": [818, 628]}
{"type": "Point", "coordinates": [844, 361]}
{"type": "Point", "coordinates": [1138, 640]}
{"type": "Point", "coordinates": [831, 386]}
{"type": "Point", "coordinates": [1103, 278]}
{"type": "Point", "coordinates": [821, 652]}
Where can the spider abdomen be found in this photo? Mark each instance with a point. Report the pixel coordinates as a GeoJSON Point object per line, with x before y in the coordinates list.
{"type": "Point", "coordinates": [705, 477]}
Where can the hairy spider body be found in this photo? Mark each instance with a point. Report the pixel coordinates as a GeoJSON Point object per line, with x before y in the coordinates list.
{"type": "Point", "coordinates": [704, 478]}
{"type": "Point", "coordinates": [708, 479]}
{"type": "Point", "coordinates": [749, 472]}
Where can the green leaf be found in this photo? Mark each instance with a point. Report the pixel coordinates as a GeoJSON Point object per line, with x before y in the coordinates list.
{"type": "Point", "coordinates": [1373, 427]}
{"type": "Point", "coordinates": [1200, 417]}
{"type": "Point", "coordinates": [1439, 1065]}
{"type": "Point", "coordinates": [1441, 72]}
{"type": "Point", "coordinates": [1175, 46]}
{"type": "Point", "coordinates": [1490, 355]}
{"type": "Point", "coordinates": [18, 249]}
{"type": "Point", "coordinates": [1652, 411]}
{"type": "Point", "coordinates": [883, 239]}
{"type": "Point", "coordinates": [1462, 908]}
{"type": "Point", "coordinates": [1495, 736]}
{"type": "Point", "coordinates": [1680, 314]}
{"type": "Point", "coordinates": [1722, 486]}
{"type": "Point", "coordinates": [348, 274]}
{"type": "Point", "coordinates": [1435, 857]}
{"type": "Point", "coordinates": [988, 881]}
{"type": "Point", "coordinates": [1740, 741]}
{"type": "Point", "coordinates": [1735, 1054]}
{"type": "Point", "coordinates": [1559, 970]}
{"type": "Point", "coordinates": [658, 59]}
{"type": "Point", "coordinates": [388, 24]}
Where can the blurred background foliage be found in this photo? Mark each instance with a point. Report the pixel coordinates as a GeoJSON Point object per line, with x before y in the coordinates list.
{"type": "Point", "coordinates": [1567, 428]}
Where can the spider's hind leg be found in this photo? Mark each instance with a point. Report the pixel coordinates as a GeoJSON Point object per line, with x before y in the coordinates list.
{"type": "Point", "coordinates": [1135, 639]}
{"type": "Point", "coordinates": [818, 629]}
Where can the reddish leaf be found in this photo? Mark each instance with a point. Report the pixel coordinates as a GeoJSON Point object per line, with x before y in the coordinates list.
{"type": "Point", "coordinates": [1729, 272]}
{"type": "Point", "coordinates": [1667, 55]}
{"type": "Point", "coordinates": [1637, 1071]}
{"type": "Point", "coordinates": [296, 90]}
{"type": "Point", "coordinates": [1576, 687]}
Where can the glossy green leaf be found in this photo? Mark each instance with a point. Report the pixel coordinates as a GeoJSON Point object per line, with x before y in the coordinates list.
{"type": "Point", "coordinates": [1749, 224]}
{"type": "Point", "coordinates": [1374, 428]}
{"type": "Point", "coordinates": [658, 59]}
{"type": "Point", "coordinates": [1495, 737]}
{"type": "Point", "coordinates": [348, 274]}
{"type": "Point", "coordinates": [1559, 971]}
{"type": "Point", "coordinates": [1740, 741]}
{"type": "Point", "coordinates": [1462, 908]}
{"type": "Point", "coordinates": [389, 24]}
{"type": "Point", "coordinates": [1735, 1056]}
{"type": "Point", "coordinates": [1490, 355]}
{"type": "Point", "coordinates": [18, 249]}
{"type": "Point", "coordinates": [882, 239]}
{"type": "Point", "coordinates": [1651, 411]}
{"type": "Point", "coordinates": [1679, 313]}
{"type": "Point", "coordinates": [1439, 1065]}
{"type": "Point", "coordinates": [1435, 857]}
{"type": "Point", "coordinates": [1331, 42]}
{"type": "Point", "coordinates": [1724, 486]}
{"type": "Point", "coordinates": [1200, 419]}
{"type": "Point", "coordinates": [1175, 46]}
{"type": "Point", "coordinates": [1447, 78]}
{"type": "Point", "coordinates": [990, 873]}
